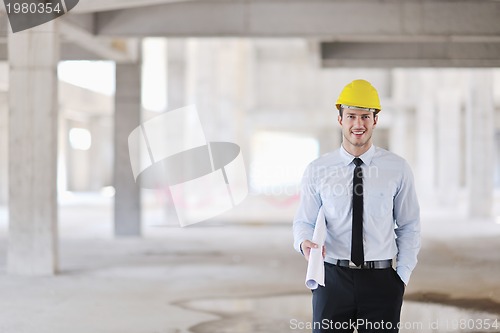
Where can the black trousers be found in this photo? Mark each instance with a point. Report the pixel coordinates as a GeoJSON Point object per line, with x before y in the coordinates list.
{"type": "Point", "coordinates": [368, 299]}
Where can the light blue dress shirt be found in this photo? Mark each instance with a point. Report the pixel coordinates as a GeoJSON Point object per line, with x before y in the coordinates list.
{"type": "Point", "coordinates": [391, 215]}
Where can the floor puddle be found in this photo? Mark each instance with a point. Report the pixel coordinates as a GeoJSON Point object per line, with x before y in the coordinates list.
{"type": "Point", "coordinates": [292, 313]}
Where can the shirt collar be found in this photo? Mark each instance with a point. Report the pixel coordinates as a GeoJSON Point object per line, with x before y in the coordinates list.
{"type": "Point", "coordinates": [366, 157]}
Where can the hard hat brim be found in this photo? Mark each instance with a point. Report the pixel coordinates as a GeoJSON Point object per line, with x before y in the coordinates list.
{"type": "Point", "coordinates": [353, 107]}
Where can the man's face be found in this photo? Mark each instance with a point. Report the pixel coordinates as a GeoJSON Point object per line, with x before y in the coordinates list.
{"type": "Point", "coordinates": [357, 126]}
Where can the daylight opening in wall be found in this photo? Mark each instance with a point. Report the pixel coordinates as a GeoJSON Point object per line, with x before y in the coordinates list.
{"type": "Point", "coordinates": [154, 79]}
{"type": "Point", "coordinates": [279, 160]}
{"type": "Point", "coordinates": [80, 139]}
{"type": "Point", "coordinates": [97, 76]}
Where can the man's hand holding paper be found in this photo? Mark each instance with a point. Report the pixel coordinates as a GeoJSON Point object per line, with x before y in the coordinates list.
{"type": "Point", "coordinates": [307, 246]}
{"type": "Point", "coordinates": [314, 252]}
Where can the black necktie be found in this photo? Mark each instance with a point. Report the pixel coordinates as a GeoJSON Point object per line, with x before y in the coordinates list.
{"type": "Point", "coordinates": [357, 255]}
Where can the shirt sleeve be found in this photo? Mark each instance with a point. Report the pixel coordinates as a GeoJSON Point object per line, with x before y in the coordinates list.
{"type": "Point", "coordinates": [407, 218]}
{"type": "Point", "coordinates": [310, 202]}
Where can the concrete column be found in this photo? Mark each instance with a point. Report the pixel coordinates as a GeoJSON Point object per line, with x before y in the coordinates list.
{"type": "Point", "coordinates": [33, 109]}
{"type": "Point", "coordinates": [3, 148]}
{"type": "Point", "coordinates": [449, 148]}
{"type": "Point", "coordinates": [127, 117]}
{"type": "Point", "coordinates": [400, 134]}
{"type": "Point", "coordinates": [203, 79]}
{"type": "Point", "coordinates": [401, 131]}
{"type": "Point", "coordinates": [176, 98]}
{"type": "Point", "coordinates": [62, 156]}
{"type": "Point", "coordinates": [248, 102]}
{"type": "Point", "coordinates": [425, 171]}
{"type": "Point", "coordinates": [176, 73]}
{"type": "Point", "coordinates": [99, 153]}
{"type": "Point", "coordinates": [480, 143]}
{"type": "Point", "coordinates": [104, 140]}
{"type": "Point", "coordinates": [329, 139]}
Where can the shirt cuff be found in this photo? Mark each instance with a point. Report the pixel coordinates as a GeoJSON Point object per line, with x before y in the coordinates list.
{"type": "Point", "coordinates": [298, 247]}
{"type": "Point", "coordinates": [404, 274]}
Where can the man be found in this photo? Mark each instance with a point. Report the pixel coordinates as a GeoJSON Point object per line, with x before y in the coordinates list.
{"type": "Point", "coordinates": [372, 215]}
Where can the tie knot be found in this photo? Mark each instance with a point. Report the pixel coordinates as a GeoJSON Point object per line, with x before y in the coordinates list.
{"type": "Point", "coordinates": [357, 161]}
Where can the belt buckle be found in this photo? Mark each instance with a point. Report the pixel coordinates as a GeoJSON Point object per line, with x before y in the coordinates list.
{"type": "Point", "coordinates": [353, 265]}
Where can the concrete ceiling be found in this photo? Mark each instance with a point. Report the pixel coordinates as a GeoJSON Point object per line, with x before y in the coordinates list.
{"type": "Point", "coordinates": [384, 33]}
{"type": "Point", "coordinates": [92, 6]}
{"type": "Point", "coordinates": [333, 19]}
{"type": "Point", "coordinates": [375, 33]}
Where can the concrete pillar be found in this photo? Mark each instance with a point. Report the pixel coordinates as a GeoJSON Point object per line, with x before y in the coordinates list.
{"type": "Point", "coordinates": [62, 156]}
{"type": "Point", "coordinates": [3, 148]}
{"type": "Point", "coordinates": [104, 140]}
{"type": "Point", "coordinates": [176, 73]}
{"type": "Point", "coordinates": [33, 109]}
{"type": "Point", "coordinates": [402, 131]}
{"type": "Point", "coordinates": [329, 139]}
{"type": "Point", "coordinates": [249, 101]}
{"type": "Point", "coordinates": [480, 143]}
{"type": "Point", "coordinates": [202, 78]}
{"type": "Point", "coordinates": [425, 171]}
{"type": "Point", "coordinates": [449, 148]}
{"type": "Point", "coordinates": [100, 170]}
{"type": "Point", "coordinates": [217, 79]}
{"type": "Point", "coordinates": [127, 117]}
{"type": "Point", "coordinates": [176, 98]}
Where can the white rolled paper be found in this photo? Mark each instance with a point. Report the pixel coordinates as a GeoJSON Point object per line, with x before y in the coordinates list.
{"type": "Point", "coordinates": [316, 268]}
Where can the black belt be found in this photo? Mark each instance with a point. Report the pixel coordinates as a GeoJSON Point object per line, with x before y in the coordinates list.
{"type": "Point", "coordinates": [376, 264]}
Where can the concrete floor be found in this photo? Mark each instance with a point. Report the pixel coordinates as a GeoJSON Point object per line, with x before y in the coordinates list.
{"type": "Point", "coordinates": [220, 277]}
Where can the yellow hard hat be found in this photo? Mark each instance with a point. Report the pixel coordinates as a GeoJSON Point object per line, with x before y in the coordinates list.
{"type": "Point", "coordinates": [359, 94]}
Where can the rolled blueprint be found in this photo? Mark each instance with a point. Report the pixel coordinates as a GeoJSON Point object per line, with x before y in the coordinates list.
{"type": "Point", "coordinates": [316, 268]}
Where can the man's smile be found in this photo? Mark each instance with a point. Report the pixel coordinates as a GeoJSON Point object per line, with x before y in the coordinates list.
{"type": "Point", "coordinates": [358, 132]}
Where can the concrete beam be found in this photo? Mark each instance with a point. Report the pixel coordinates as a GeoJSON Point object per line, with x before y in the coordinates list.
{"type": "Point", "coordinates": [78, 41]}
{"type": "Point", "coordinates": [88, 6]}
{"type": "Point", "coordinates": [410, 54]}
{"type": "Point", "coordinates": [346, 54]}
{"type": "Point", "coordinates": [91, 6]}
{"type": "Point", "coordinates": [82, 21]}
{"type": "Point", "coordinates": [72, 51]}
{"type": "Point", "coordinates": [118, 50]}
{"type": "Point", "coordinates": [306, 18]}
